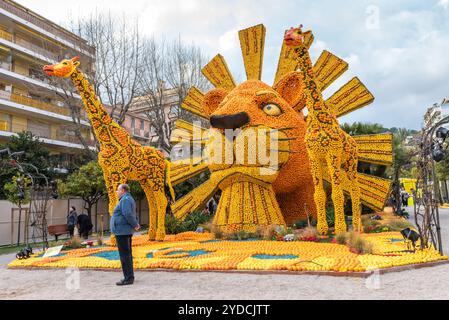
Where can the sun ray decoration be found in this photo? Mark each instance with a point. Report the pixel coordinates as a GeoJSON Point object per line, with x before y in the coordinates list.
{"type": "Point", "coordinates": [375, 149]}
{"type": "Point", "coordinates": [252, 42]}
{"type": "Point", "coordinates": [217, 72]}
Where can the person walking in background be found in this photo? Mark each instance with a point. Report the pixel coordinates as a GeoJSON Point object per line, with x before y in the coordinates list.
{"type": "Point", "coordinates": [405, 197]}
{"type": "Point", "coordinates": [71, 220]}
{"type": "Point", "coordinates": [212, 206]}
{"type": "Point", "coordinates": [84, 225]}
{"type": "Point", "coordinates": [123, 224]}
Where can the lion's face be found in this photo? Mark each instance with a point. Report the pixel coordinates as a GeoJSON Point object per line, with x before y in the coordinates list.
{"type": "Point", "coordinates": [261, 126]}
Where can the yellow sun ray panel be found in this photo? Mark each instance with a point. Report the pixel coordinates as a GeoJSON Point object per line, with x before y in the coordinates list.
{"type": "Point", "coordinates": [189, 127]}
{"type": "Point", "coordinates": [252, 42]}
{"type": "Point", "coordinates": [328, 68]}
{"type": "Point", "coordinates": [287, 61]}
{"type": "Point", "coordinates": [373, 191]}
{"type": "Point", "coordinates": [193, 103]}
{"type": "Point", "coordinates": [375, 148]}
{"type": "Point", "coordinates": [217, 72]}
{"type": "Point", "coordinates": [185, 169]}
{"type": "Point", "coordinates": [186, 132]}
{"type": "Point", "coordinates": [179, 136]}
{"type": "Point", "coordinates": [195, 199]}
{"type": "Point", "coordinates": [352, 96]}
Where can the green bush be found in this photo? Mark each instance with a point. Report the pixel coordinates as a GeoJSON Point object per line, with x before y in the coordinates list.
{"type": "Point", "coordinates": [300, 224]}
{"type": "Point", "coordinates": [330, 216]}
{"type": "Point", "coordinates": [341, 238]}
{"type": "Point", "coordinates": [191, 222]}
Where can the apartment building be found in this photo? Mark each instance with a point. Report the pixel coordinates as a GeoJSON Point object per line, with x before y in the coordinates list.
{"type": "Point", "coordinates": [29, 101]}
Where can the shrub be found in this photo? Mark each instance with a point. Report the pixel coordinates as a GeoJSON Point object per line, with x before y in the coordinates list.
{"type": "Point", "coordinates": [358, 244]}
{"type": "Point", "coordinates": [99, 240]}
{"type": "Point", "coordinates": [282, 231]}
{"type": "Point", "coordinates": [368, 224]}
{"type": "Point", "coordinates": [212, 228]}
{"type": "Point", "coordinates": [300, 224]}
{"type": "Point", "coordinates": [239, 235]}
{"type": "Point", "coordinates": [309, 232]}
{"type": "Point", "coordinates": [266, 232]}
{"type": "Point", "coordinates": [75, 242]}
{"type": "Point", "coordinates": [191, 223]}
{"type": "Point", "coordinates": [330, 216]}
{"type": "Point", "coordinates": [341, 238]}
{"type": "Point", "coordinates": [398, 225]}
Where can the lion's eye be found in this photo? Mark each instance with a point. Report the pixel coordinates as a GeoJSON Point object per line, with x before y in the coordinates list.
{"type": "Point", "coordinates": [272, 109]}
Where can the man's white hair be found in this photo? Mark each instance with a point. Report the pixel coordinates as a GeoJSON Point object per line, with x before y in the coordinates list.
{"type": "Point", "coordinates": [124, 187]}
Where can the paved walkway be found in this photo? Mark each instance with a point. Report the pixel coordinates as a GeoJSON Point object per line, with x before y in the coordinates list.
{"type": "Point", "coordinates": [426, 283]}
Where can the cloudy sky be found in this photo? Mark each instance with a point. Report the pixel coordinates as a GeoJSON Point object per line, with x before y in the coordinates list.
{"type": "Point", "coordinates": [399, 48]}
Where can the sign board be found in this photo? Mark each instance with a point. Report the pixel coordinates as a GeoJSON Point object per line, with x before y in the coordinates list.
{"type": "Point", "coordinates": [53, 251]}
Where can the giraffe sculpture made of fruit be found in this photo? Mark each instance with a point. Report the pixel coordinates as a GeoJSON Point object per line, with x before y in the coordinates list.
{"type": "Point", "coordinates": [121, 158]}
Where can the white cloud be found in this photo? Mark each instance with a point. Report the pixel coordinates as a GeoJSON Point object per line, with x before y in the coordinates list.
{"type": "Point", "coordinates": [228, 40]}
{"type": "Point", "coordinates": [444, 3]}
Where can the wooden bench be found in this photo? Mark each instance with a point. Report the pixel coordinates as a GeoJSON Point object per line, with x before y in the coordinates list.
{"type": "Point", "coordinates": [58, 230]}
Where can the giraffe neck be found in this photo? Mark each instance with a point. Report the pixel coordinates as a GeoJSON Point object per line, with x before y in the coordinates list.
{"type": "Point", "coordinates": [315, 102]}
{"type": "Point", "coordinates": [103, 126]}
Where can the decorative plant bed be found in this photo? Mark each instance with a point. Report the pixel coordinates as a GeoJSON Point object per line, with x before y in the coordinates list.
{"type": "Point", "coordinates": [200, 251]}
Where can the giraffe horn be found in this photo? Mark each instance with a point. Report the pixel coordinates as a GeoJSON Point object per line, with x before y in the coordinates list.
{"type": "Point", "coordinates": [75, 58]}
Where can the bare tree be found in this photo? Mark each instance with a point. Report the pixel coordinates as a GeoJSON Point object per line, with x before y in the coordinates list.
{"type": "Point", "coordinates": [179, 66]}
{"type": "Point", "coordinates": [184, 63]}
{"type": "Point", "coordinates": [118, 62]}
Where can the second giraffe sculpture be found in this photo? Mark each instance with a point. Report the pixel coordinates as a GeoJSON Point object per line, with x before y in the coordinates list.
{"type": "Point", "coordinates": [327, 145]}
{"type": "Point", "coordinates": [120, 157]}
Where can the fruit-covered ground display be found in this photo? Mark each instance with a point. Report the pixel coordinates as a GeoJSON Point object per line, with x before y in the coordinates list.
{"type": "Point", "coordinates": [201, 251]}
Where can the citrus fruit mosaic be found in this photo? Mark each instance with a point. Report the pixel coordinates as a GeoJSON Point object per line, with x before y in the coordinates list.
{"type": "Point", "coordinates": [200, 251]}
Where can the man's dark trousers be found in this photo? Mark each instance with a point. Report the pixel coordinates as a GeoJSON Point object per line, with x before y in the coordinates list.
{"type": "Point", "coordinates": [124, 245]}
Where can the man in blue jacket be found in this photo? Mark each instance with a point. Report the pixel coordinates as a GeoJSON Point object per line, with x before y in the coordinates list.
{"type": "Point", "coordinates": [123, 224]}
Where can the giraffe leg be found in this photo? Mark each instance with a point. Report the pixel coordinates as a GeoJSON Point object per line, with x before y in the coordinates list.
{"type": "Point", "coordinates": [334, 166]}
{"type": "Point", "coordinates": [354, 192]}
{"type": "Point", "coordinates": [112, 181]}
{"type": "Point", "coordinates": [112, 196]}
{"type": "Point", "coordinates": [152, 219]}
{"type": "Point", "coordinates": [161, 202]}
{"type": "Point", "coordinates": [319, 194]}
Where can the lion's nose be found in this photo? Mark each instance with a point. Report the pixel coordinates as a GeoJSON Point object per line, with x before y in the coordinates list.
{"type": "Point", "coordinates": [232, 121]}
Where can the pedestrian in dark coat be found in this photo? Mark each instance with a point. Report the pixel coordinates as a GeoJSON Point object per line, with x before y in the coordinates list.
{"type": "Point", "coordinates": [123, 224]}
{"type": "Point", "coordinates": [72, 218]}
{"type": "Point", "coordinates": [84, 225]}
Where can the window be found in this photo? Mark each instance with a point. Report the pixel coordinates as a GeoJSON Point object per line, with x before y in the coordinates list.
{"type": "Point", "coordinates": [174, 108]}
{"type": "Point", "coordinates": [5, 122]}
{"type": "Point", "coordinates": [142, 125]}
{"type": "Point", "coordinates": [174, 111]}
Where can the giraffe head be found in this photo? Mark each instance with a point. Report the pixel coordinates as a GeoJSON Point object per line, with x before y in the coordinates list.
{"type": "Point", "coordinates": [62, 69]}
{"type": "Point", "coordinates": [294, 37]}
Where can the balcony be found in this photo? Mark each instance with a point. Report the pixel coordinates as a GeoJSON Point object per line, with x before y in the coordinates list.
{"type": "Point", "coordinates": [6, 35]}
{"type": "Point", "coordinates": [23, 46]}
{"type": "Point", "coordinates": [22, 104]}
{"type": "Point", "coordinates": [19, 79]}
{"type": "Point", "coordinates": [45, 27]}
{"type": "Point", "coordinates": [27, 101]}
{"type": "Point", "coordinates": [61, 139]}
